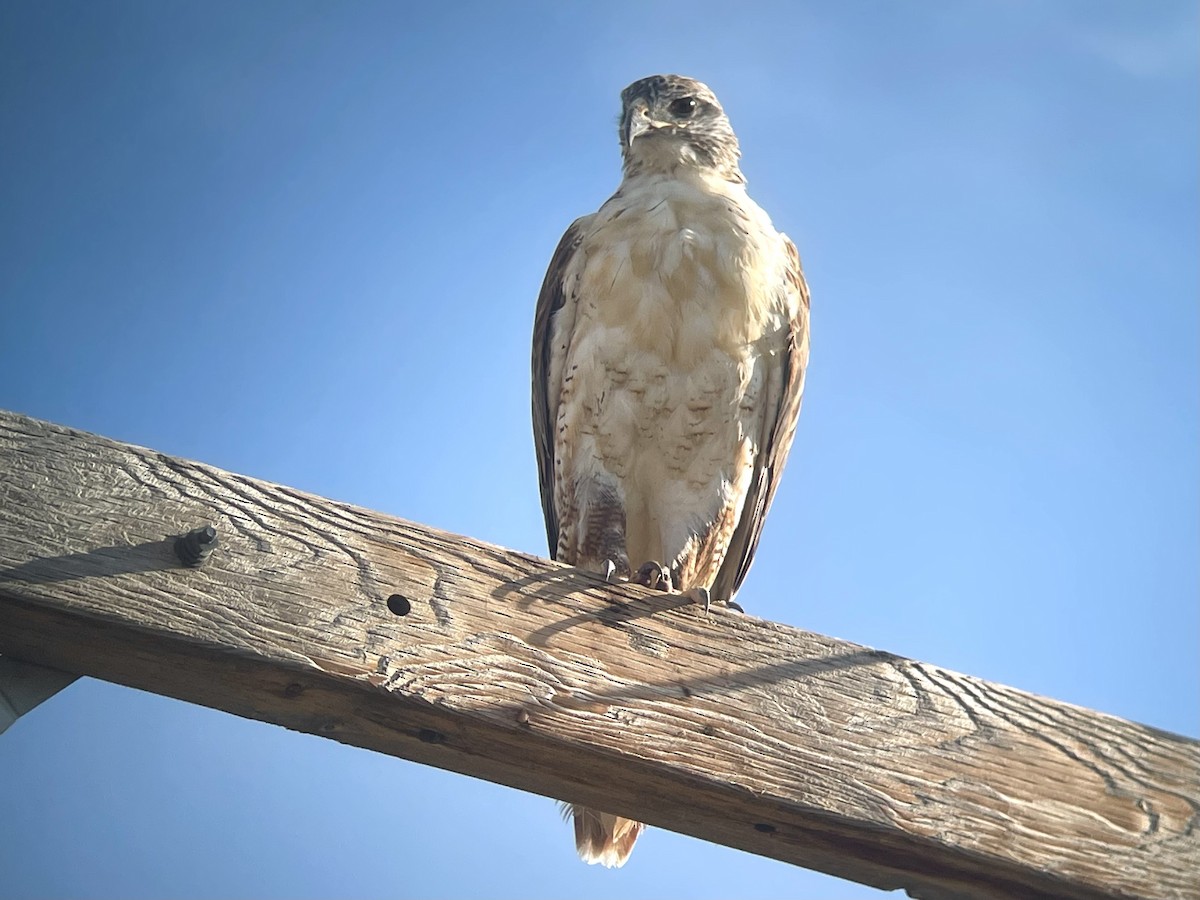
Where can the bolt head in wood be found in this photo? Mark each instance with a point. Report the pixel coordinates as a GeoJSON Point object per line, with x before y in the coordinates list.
{"type": "Point", "coordinates": [194, 547]}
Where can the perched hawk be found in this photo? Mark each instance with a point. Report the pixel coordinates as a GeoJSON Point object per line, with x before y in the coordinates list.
{"type": "Point", "coordinates": [669, 349]}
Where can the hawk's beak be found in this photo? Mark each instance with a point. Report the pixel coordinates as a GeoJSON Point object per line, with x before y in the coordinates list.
{"type": "Point", "coordinates": [639, 124]}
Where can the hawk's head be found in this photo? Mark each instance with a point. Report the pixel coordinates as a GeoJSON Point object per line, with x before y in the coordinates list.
{"type": "Point", "coordinates": [670, 122]}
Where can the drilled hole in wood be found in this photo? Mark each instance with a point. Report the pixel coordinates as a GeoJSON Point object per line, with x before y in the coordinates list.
{"type": "Point", "coordinates": [764, 828]}
{"type": "Point", "coordinates": [399, 604]}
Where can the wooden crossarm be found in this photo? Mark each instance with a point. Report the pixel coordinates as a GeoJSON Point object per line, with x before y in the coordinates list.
{"type": "Point", "coordinates": [390, 635]}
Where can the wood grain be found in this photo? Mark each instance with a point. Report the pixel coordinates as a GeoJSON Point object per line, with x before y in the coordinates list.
{"type": "Point", "coordinates": [507, 667]}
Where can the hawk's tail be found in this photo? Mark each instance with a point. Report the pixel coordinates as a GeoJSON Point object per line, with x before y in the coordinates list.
{"type": "Point", "coordinates": [602, 837]}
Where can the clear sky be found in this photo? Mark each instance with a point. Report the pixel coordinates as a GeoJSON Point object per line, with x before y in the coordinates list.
{"type": "Point", "coordinates": [303, 241]}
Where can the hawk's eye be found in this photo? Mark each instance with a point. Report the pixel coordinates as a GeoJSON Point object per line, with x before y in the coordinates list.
{"type": "Point", "coordinates": [683, 107]}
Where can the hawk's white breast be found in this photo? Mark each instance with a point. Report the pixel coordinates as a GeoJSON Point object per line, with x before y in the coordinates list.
{"type": "Point", "coordinates": [679, 301]}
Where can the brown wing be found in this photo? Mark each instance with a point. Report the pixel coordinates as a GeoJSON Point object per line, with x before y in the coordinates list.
{"type": "Point", "coordinates": [781, 409]}
{"type": "Point", "coordinates": [552, 325]}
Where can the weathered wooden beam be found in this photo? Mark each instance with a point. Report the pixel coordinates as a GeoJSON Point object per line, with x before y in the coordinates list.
{"type": "Point", "coordinates": [384, 634]}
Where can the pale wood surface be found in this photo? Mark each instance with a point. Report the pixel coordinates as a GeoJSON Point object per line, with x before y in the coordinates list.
{"type": "Point", "coordinates": [736, 730]}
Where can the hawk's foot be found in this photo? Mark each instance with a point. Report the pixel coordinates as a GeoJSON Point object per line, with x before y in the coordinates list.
{"type": "Point", "coordinates": [655, 576]}
{"type": "Point", "coordinates": [700, 595]}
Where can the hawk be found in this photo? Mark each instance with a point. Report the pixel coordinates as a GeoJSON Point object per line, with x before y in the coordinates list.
{"type": "Point", "coordinates": [669, 349]}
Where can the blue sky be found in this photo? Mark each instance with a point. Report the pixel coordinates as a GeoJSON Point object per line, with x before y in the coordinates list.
{"type": "Point", "coordinates": [303, 242]}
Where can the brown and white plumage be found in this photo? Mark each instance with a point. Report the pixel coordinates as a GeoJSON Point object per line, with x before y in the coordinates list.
{"type": "Point", "coordinates": [669, 350]}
